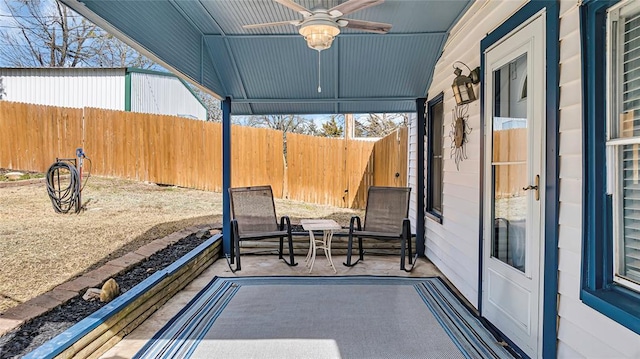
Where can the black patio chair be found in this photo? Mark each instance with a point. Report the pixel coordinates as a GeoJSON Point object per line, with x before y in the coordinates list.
{"type": "Point", "coordinates": [386, 218]}
{"type": "Point", "coordinates": [253, 214]}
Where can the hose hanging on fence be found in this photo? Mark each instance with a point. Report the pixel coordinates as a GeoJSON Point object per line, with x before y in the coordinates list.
{"type": "Point", "coordinates": [63, 199]}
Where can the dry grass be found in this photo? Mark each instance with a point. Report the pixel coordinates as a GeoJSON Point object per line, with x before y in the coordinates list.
{"type": "Point", "coordinates": [40, 249]}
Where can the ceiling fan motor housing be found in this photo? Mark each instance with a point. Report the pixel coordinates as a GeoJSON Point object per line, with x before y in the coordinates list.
{"type": "Point", "coordinates": [319, 33]}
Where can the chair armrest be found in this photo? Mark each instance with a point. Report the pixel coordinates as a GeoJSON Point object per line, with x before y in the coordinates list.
{"type": "Point", "coordinates": [406, 228]}
{"type": "Point", "coordinates": [285, 221]}
{"type": "Point", "coordinates": [234, 226]}
{"type": "Point", "coordinates": [355, 221]}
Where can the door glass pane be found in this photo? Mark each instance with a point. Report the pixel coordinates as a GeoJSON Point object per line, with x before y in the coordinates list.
{"type": "Point", "coordinates": [510, 163]}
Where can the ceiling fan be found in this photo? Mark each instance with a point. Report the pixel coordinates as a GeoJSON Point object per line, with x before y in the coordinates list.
{"type": "Point", "coordinates": [320, 26]}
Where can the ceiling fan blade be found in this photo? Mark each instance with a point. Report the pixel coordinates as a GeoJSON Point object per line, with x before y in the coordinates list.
{"type": "Point", "coordinates": [295, 6]}
{"type": "Point", "coordinates": [370, 26]}
{"type": "Point", "coordinates": [270, 24]}
{"type": "Point", "coordinates": [351, 6]}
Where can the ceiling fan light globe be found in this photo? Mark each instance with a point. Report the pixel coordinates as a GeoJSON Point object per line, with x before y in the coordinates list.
{"type": "Point", "coordinates": [319, 36]}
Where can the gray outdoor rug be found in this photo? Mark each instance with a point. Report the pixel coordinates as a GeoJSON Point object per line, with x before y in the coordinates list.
{"type": "Point", "coordinates": [324, 317]}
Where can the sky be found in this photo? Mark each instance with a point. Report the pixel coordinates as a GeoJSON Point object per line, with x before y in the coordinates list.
{"type": "Point", "coordinates": [6, 20]}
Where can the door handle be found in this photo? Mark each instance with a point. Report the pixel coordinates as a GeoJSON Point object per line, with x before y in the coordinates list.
{"type": "Point", "coordinates": [534, 187]}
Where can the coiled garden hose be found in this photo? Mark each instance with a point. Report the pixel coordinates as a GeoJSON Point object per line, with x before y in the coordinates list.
{"type": "Point", "coordinates": [64, 195]}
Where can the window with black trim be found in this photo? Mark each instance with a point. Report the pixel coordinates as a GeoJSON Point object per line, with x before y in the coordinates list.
{"type": "Point", "coordinates": [435, 120]}
{"type": "Point", "coordinates": [611, 255]}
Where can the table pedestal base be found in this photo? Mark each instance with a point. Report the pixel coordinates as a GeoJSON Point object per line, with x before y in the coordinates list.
{"type": "Point", "coordinates": [324, 244]}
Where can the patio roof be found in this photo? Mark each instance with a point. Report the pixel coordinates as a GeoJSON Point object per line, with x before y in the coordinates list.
{"type": "Point", "coordinates": [271, 70]}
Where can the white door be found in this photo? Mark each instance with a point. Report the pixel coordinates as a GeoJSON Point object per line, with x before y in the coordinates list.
{"type": "Point", "coordinates": [514, 182]}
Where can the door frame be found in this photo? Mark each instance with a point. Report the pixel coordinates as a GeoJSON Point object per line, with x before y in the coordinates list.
{"type": "Point", "coordinates": [548, 309]}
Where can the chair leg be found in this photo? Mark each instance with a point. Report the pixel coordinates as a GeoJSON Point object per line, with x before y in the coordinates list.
{"type": "Point", "coordinates": [230, 262]}
{"type": "Point", "coordinates": [409, 246]}
{"type": "Point", "coordinates": [406, 237]}
{"type": "Point", "coordinates": [231, 258]}
{"type": "Point", "coordinates": [412, 259]}
{"type": "Point", "coordinates": [360, 248]}
{"type": "Point", "coordinates": [415, 258]}
{"type": "Point", "coordinates": [412, 263]}
{"type": "Point", "coordinates": [237, 252]}
{"type": "Point", "coordinates": [350, 252]}
{"type": "Point", "coordinates": [403, 243]}
{"type": "Point", "coordinates": [292, 261]}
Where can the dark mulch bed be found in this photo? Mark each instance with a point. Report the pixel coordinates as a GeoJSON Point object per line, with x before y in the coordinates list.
{"type": "Point", "coordinates": [31, 335]}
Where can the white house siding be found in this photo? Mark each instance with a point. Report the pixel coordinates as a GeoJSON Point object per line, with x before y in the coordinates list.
{"type": "Point", "coordinates": [582, 331]}
{"type": "Point", "coordinates": [167, 95]}
{"type": "Point", "coordinates": [453, 245]}
{"type": "Point", "coordinates": [102, 88]}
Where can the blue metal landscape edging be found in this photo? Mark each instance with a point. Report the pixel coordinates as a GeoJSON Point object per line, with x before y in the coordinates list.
{"type": "Point", "coordinates": [66, 339]}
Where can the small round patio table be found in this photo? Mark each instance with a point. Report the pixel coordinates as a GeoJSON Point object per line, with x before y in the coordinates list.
{"type": "Point", "coordinates": [327, 226]}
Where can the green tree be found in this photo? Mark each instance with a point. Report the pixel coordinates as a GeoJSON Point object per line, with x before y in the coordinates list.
{"type": "Point", "coordinates": [332, 128]}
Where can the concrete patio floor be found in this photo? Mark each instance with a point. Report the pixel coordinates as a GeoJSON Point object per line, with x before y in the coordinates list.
{"type": "Point", "coordinates": [264, 265]}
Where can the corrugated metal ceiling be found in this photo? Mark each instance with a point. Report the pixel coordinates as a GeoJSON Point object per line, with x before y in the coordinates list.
{"type": "Point", "coordinates": [271, 70]}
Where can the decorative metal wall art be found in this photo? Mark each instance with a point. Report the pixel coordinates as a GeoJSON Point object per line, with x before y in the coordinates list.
{"type": "Point", "coordinates": [459, 131]}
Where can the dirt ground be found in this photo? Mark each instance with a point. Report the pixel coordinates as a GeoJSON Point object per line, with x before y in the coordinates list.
{"type": "Point", "coordinates": [40, 249]}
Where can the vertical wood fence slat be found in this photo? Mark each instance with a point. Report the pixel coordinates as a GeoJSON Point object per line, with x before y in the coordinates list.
{"type": "Point", "coordinates": [184, 152]}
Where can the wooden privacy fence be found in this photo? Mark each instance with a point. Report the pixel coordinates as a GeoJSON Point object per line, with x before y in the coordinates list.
{"type": "Point", "coordinates": [183, 152]}
{"type": "Point", "coordinates": [179, 151]}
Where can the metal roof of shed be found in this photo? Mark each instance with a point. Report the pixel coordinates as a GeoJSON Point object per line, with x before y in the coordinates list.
{"type": "Point", "coordinates": [271, 70]}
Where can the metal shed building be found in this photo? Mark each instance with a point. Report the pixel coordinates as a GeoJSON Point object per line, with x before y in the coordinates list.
{"type": "Point", "coordinates": [124, 89]}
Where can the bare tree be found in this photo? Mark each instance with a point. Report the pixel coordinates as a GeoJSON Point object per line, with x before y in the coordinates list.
{"type": "Point", "coordinates": [284, 123]}
{"type": "Point", "coordinates": [212, 104]}
{"type": "Point", "coordinates": [241, 120]}
{"type": "Point", "coordinates": [45, 33]}
{"type": "Point", "coordinates": [379, 124]}
{"type": "Point", "coordinates": [111, 52]}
